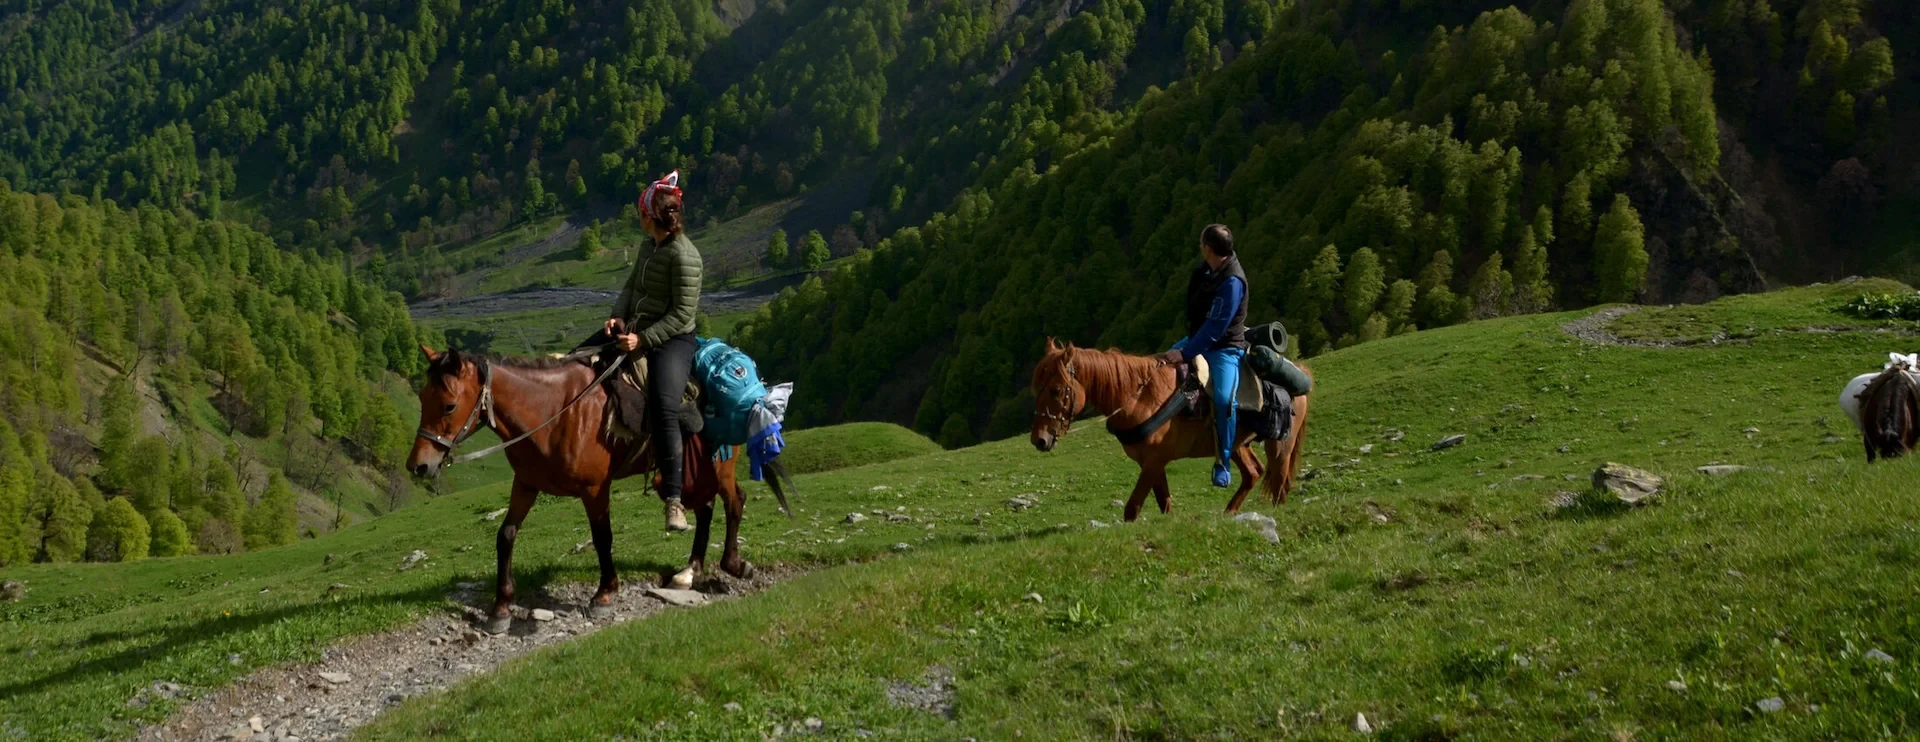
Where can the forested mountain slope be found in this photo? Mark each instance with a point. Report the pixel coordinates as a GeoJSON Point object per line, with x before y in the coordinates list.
{"type": "Point", "coordinates": [259, 360]}
{"type": "Point", "coordinates": [412, 126]}
{"type": "Point", "coordinates": [1387, 167]}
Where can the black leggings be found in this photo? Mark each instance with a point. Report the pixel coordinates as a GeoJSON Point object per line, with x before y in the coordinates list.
{"type": "Point", "coordinates": [668, 366]}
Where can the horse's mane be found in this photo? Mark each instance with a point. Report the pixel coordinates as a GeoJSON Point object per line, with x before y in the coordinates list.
{"type": "Point", "coordinates": [1111, 375]}
{"type": "Point", "coordinates": [451, 361]}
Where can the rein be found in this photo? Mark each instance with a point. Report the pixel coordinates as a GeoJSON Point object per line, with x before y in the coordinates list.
{"type": "Point", "coordinates": [485, 406]}
{"type": "Point", "coordinates": [1175, 404]}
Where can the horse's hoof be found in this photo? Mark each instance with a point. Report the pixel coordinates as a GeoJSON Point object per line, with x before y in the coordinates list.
{"type": "Point", "coordinates": [598, 612]}
{"type": "Point", "coordinates": [742, 571]}
{"type": "Point", "coordinates": [682, 580]}
{"type": "Point", "coordinates": [498, 625]}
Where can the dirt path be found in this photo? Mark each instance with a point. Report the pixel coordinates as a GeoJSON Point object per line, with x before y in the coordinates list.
{"type": "Point", "coordinates": [358, 679]}
{"type": "Point", "coordinates": [1593, 328]}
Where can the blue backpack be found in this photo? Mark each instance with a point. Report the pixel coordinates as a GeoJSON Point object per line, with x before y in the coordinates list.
{"type": "Point", "coordinates": [732, 389]}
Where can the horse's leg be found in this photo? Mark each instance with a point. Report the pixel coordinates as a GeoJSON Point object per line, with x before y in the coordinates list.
{"type": "Point", "coordinates": [1867, 440]}
{"type": "Point", "coordinates": [730, 561]}
{"type": "Point", "coordinates": [1139, 496]}
{"type": "Point", "coordinates": [599, 506]}
{"type": "Point", "coordinates": [1161, 494]}
{"type": "Point", "coordinates": [501, 618]}
{"type": "Point", "coordinates": [697, 560]}
{"type": "Point", "coordinates": [1249, 473]}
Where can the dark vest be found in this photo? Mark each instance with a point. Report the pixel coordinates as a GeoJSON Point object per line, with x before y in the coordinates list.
{"type": "Point", "coordinates": [1200, 291]}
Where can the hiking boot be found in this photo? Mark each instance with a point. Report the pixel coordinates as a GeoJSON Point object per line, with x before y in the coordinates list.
{"type": "Point", "coordinates": [1222, 477]}
{"type": "Point", "coordinates": [676, 516]}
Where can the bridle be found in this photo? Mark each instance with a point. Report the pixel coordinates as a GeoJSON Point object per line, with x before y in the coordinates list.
{"type": "Point", "coordinates": [1074, 408]}
{"type": "Point", "coordinates": [482, 406]}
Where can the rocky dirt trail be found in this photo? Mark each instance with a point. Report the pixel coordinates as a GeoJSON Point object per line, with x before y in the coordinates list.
{"type": "Point", "coordinates": [358, 679]}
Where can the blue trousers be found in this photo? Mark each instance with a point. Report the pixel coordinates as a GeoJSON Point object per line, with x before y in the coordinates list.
{"type": "Point", "coordinates": [1224, 366]}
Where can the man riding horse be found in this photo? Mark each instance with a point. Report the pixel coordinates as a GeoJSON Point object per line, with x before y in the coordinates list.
{"type": "Point", "coordinates": [1217, 331]}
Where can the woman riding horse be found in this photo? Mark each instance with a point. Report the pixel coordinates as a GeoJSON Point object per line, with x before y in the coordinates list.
{"type": "Point", "coordinates": [655, 313]}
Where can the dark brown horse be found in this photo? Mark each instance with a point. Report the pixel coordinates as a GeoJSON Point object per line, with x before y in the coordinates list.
{"type": "Point", "coordinates": [1129, 389]}
{"type": "Point", "coordinates": [571, 457]}
{"type": "Point", "coordinates": [1890, 414]}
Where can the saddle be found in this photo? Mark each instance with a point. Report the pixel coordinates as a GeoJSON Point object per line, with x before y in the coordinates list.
{"type": "Point", "coordinates": [627, 408]}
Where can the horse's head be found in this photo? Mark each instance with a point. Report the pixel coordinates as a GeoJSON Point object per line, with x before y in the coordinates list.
{"type": "Point", "coordinates": [1058, 396]}
{"type": "Point", "coordinates": [449, 409]}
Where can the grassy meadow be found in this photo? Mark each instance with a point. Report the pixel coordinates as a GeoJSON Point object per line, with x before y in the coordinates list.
{"type": "Point", "coordinates": [1442, 594]}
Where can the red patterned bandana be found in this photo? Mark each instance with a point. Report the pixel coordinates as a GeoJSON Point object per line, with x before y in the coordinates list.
{"type": "Point", "coordinates": [669, 184]}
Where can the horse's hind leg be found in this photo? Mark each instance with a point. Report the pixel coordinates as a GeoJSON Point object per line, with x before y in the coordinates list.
{"type": "Point", "coordinates": [501, 617]}
{"type": "Point", "coordinates": [1161, 494]}
{"type": "Point", "coordinates": [697, 560]}
{"type": "Point", "coordinates": [599, 519]}
{"type": "Point", "coordinates": [1249, 474]}
{"type": "Point", "coordinates": [730, 561]}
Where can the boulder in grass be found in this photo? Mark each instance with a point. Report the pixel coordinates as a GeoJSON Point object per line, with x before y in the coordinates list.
{"type": "Point", "coordinates": [1630, 485]}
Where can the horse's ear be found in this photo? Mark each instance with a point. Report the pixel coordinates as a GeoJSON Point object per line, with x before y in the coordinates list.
{"type": "Point", "coordinates": [432, 357]}
{"type": "Point", "coordinates": [1053, 346]}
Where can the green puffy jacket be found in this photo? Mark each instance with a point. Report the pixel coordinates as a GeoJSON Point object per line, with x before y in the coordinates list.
{"type": "Point", "coordinates": [662, 293]}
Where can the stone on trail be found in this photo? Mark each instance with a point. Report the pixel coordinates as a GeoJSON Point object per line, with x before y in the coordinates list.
{"type": "Point", "coordinates": [13, 590]}
{"type": "Point", "coordinates": [495, 515]}
{"type": "Point", "coordinates": [1019, 503]}
{"type": "Point", "coordinates": [732, 707]}
{"type": "Point", "coordinates": [1879, 656]}
{"type": "Point", "coordinates": [1721, 470]}
{"type": "Point", "coordinates": [1119, 504]}
{"type": "Point", "coordinates": [1096, 524]}
{"type": "Point", "coordinates": [336, 678]}
{"type": "Point", "coordinates": [1268, 529]}
{"type": "Point", "coordinates": [580, 547]}
{"type": "Point", "coordinates": [1770, 705]}
{"type": "Point", "coordinates": [1676, 686]}
{"type": "Point", "coordinates": [413, 559]}
{"type": "Point", "coordinates": [1035, 597]}
{"type": "Point", "coordinates": [257, 724]}
{"type": "Point", "coordinates": [542, 614]}
{"type": "Point", "coordinates": [683, 598]}
{"type": "Point", "coordinates": [1366, 449]}
{"type": "Point", "coordinates": [902, 546]}
{"type": "Point", "coordinates": [1394, 435]}
{"type": "Point", "coordinates": [1449, 441]}
{"type": "Point", "coordinates": [336, 587]}
{"type": "Point", "coordinates": [1360, 724]}
{"type": "Point", "coordinates": [1632, 486]}
{"type": "Point", "coordinates": [853, 518]}
{"type": "Point", "coordinates": [878, 488]}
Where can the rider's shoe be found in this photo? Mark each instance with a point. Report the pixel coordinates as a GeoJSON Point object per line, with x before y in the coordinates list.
{"type": "Point", "coordinates": [1222, 477]}
{"type": "Point", "coordinates": [676, 516]}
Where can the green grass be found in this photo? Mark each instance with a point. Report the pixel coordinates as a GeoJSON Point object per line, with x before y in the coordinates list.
{"type": "Point", "coordinates": [1746, 316]}
{"type": "Point", "coordinates": [854, 444]}
{"type": "Point", "coordinates": [1435, 592]}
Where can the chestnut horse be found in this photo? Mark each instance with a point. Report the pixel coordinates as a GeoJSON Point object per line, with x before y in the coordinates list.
{"type": "Point", "coordinates": [1890, 414]}
{"type": "Point", "coordinates": [569, 457]}
{"type": "Point", "coordinates": [1129, 389]}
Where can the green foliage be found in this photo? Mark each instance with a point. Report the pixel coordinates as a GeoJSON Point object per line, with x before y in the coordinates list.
{"type": "Point", "coordinates": [777, 249]}
{"type": "Point", "coordinates": [57, 518]}
{"type": "Point", "coordinates": [118, 533]}
{"type": "Point", "coordinates": [16, 479]}
{"type": "Point", "coordinates": [1491, 289]}
{"type": "Point", "coordinates": [1884, 306]}
{"type": "Point", "coordinates": [1363, 285]}
{"type": "Point", "coordinates": [272, 521]}
{"type": "Point", "coordinates": [1619, 253]}
{"type": "Point", "coordinates": [815, 250]}
{"type": "Point", "coordinates": [170, 536]}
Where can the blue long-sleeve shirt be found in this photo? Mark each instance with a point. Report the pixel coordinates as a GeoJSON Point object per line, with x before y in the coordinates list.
{"type": "Point", "coordinates": [1226, 302]}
